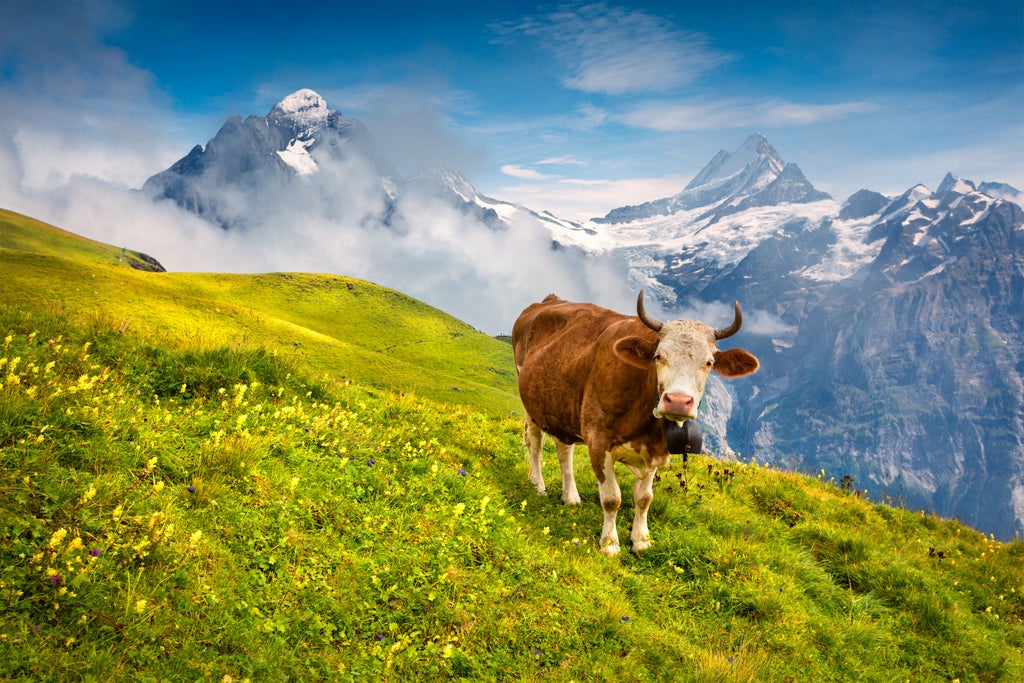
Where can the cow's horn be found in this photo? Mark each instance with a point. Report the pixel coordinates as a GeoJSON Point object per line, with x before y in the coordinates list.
{"type": "Point", "coordinates": [732, 329]}
{"type": "Point", "coordinates": [642, 314]}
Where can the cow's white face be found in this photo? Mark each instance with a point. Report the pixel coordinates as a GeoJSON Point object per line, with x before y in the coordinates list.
{"type": "Point", "coordinates": [685, 354]}
{"type": "Point", "coordinates": [683, 360]}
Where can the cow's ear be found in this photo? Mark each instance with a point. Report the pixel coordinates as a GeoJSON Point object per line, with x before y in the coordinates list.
{"type": "Point", "coordinates": [635, 350]}
{"type": "Point", "coordinates": [735, 363]}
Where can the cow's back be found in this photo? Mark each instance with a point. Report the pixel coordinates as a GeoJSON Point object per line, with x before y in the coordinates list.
{"type": "Point", "coordinates": [556, 344]}
{"type": "Point", "coordinates": [557, 330]}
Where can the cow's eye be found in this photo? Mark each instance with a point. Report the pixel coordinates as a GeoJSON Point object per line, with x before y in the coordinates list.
{"type": "Point", "coordinates": [657, 357]}
{"type": "Point", "coordinates": [709, 364]}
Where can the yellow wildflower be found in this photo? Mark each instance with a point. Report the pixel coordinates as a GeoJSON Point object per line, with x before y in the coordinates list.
{"type": "Point", "coordinates": [89, 494]}
{"type": "Point", "coordinates": [57, 537]}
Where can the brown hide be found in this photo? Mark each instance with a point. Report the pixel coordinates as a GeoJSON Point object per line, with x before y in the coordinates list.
{"type": "Point", "coordinates": [585, 375]}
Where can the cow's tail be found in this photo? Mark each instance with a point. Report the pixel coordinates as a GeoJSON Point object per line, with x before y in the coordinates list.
{"type": "Point", "coordinates": [526, 444]}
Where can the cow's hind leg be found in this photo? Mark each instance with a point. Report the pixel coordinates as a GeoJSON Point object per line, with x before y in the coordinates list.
{"type": "Point", "coordinates": [534, 439]}
{"type": "Point", "coordinates": [570, 496]}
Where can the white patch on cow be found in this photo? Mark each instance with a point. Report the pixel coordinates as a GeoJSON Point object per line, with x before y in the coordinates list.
{"type": "Point", "coordinates": [684, 360]}
{"type": "Point", "coordinates": [643, 494]}
{"type": "Point", "coordinates": [643, 467]}
{"type": "Point", "coordinates": [611, 499]}
{"type": "Point", "coordinates": [638, 462]}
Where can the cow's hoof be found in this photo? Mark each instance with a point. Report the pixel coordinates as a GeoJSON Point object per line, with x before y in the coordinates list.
{"type": "Point", "coordinates": [610, 548]}
{"type": "Point", "coordinates": [571, 499]}
{"type": "Point", "coordinates": [641, 545]}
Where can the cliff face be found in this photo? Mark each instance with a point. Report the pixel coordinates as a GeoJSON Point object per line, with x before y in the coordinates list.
{"type": "Point", "coordinates": [911, 379]}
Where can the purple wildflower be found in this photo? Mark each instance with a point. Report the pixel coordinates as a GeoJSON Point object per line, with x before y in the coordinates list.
{"type": "Point", "coordinates": [95, 552]}
{"type": "Point", "coordinates": [462, 472]}
{"type": "Point", "coordinates": [56, 579]}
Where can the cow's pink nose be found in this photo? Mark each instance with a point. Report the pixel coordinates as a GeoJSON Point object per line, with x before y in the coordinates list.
{"type": "Point", "coordinates": [677, 403]}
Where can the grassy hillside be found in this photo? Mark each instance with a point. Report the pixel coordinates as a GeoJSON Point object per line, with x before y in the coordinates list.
{"type": "Point", "coordinates": [337, 327]}
{"type": "Point", "coordinates": [178, 505]}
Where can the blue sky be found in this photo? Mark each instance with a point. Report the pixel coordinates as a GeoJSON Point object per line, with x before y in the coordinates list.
{"type": "Point", "coordinates": [577, 108]}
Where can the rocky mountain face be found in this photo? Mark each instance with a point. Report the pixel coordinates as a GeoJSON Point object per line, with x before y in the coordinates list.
{"type": "Point", "coordinates": [895, 349]}
{"type": "Point", "coordinates": [907, 375]}
{"type": "Point", "coordinates": [890, 329]}
{"type": "Point", "coordinates": [297, 150]}
{"type": "Point", "coordinates": [223, 180]}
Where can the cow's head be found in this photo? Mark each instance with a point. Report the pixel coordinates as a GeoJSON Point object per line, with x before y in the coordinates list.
{"type": "Point", "coordinates": [685, 354]}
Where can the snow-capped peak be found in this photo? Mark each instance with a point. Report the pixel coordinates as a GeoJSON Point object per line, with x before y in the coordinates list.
{"type": "Point", "coordinates": [303, 109]}
{"type": "Point", "coordinates": [755, 157]}
{"type": "Point", "coordinates": [952, 183]}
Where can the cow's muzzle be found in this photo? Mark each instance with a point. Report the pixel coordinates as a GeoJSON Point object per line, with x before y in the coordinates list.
{"type": "Point", "coordinates": [676, 406]}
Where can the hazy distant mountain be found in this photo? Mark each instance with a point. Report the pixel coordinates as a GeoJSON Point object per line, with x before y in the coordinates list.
{"type": "Point", "coordinates": [753, 175]}
{"type": "Point", "coordinates": [890, 329]}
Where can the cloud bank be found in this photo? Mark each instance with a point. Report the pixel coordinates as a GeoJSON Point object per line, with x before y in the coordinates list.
{"type": "Point", "coordinates": [338, 221]}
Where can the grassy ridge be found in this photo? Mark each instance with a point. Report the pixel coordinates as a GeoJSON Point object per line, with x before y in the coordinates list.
{"type": "Point", "coordinates": [177, 511]}
{"type": "Point", "coordinates": [335, 326]}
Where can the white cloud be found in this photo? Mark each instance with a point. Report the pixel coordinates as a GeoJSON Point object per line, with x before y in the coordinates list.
{"type": "Point", "coordinates": [524, 173]}
{"type": "Point", "coordinates": [567, 160]}
{"type": "Point", "coordinates": [337, 221]}
{"type": "Point", "coordinates": [412, 125]}
{"type": "Point", "coordinates": [617, 51]}
{"type": "Point", "coordinates": [73, 105]}
{"type": "Point", "coordinates": [736, 113]}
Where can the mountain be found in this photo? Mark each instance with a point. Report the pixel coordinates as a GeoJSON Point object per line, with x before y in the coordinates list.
{"type": "Point", "coordinates": [226, 180]}
{"type": "Point", "coordinates": [304, 149]}
{"type": "Point", "coordinates": [890, 329]}
{"type": "Point", "coordinates": [907, 373]}
{"type": "Point", "coordinates": [753, 175]}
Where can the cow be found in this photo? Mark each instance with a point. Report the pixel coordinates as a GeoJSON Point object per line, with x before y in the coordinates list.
{"type": "Point", "coordinates": [615, 383]}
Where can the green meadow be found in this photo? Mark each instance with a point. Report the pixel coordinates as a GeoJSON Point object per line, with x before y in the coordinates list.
{"type": "Point", "coordinates": [300, 477]}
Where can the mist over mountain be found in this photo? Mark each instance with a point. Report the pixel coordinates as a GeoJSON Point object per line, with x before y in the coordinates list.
{"type": "Point", "coordinates": [890, 329]}
{"type": "Point", "coordinates": [303, 188]}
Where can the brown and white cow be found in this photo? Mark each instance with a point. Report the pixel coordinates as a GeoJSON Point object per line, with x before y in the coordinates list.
{"type": "Point", "coordinates": [611, 381]}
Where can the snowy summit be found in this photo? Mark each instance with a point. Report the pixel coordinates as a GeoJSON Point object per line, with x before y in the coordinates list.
{"type": "Point", "coordinates": [303, 109]}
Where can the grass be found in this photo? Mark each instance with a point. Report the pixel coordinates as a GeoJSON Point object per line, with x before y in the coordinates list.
{"type": "Point", "coordinates": [336, 327]}
{"type": "Point", "coordinates": [179, 511]}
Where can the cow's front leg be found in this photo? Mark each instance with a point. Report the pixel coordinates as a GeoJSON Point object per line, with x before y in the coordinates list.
{"type": "Point", "coordinates": [534, 439]}
{"type": "Point", "coordinates": [643, 494]}
{"type": "Point", "coordinates": [611, 499]}
{"type": "Point", "coordinates": [570, 496]}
